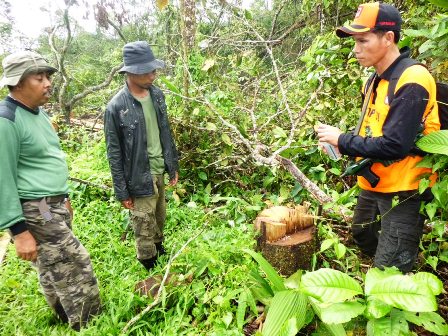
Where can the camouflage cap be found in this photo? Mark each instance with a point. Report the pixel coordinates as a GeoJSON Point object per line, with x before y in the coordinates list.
{"type": "Point", "coordinates": [20, 63]}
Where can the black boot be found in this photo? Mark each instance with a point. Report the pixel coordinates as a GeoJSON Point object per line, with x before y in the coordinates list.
{"type": "Point", "coordinates": [160, 250]}
{"type": "Point", "coordinates": [60, 311]}
{"type": "Point", "coordinates": [148, 263]}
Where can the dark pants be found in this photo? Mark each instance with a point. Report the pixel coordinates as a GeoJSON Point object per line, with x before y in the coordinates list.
{"type": "Point", "coordinates": [391, 234]}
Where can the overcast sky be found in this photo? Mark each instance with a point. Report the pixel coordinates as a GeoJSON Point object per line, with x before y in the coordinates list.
{"type": "Point", "coordinates": [32, 16]}
{"type": "Point", "coordinates": [31, 20]}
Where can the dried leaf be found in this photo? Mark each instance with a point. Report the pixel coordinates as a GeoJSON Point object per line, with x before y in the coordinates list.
{"type": "Point", "coordinates": [161, 4]}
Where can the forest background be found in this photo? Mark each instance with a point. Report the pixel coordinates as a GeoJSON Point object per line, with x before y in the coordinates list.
{"type": "Point", "coordinates": [244, 89]}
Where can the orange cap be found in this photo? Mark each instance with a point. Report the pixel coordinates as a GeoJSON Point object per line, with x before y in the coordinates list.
{"type": "Point", "coordinates": [371, 16]}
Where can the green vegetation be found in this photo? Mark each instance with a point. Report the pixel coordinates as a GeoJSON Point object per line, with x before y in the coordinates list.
{"type": "Point", "coordinates": [332, 297]}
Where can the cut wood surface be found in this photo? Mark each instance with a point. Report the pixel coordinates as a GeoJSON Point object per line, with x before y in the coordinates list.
{"type": "Point", "coordinates": [274, 230]}
{"type": "Point", "coordinates": [294, 219]}
{"type": "Point", "coordinates": [296, 238]}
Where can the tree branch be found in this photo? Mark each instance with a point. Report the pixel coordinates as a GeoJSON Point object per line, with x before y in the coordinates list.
{"type": "Point", "coordinates": [95, 88]}
{"type": "Point", "coordinates": [162, 284]}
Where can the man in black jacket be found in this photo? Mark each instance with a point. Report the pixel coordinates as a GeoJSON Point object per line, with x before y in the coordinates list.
{"type": "Point", "coordinates": [140, 149]}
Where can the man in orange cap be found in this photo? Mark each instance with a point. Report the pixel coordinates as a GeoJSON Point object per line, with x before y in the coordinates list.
{"type": "Point", "coordinates": [386, 132]}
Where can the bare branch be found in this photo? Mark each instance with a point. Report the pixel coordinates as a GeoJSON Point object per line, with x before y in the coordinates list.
{"type": "Point", "coordinates": [95, 88]}
{"type": "Point", "coordinates": [117, 29]}
{"type": "Point", "coordinates": [274, 21]}
{"type": "Point", "coordinates": [162, 284]}
{"type": "Point", "coordinates": [100, 186]}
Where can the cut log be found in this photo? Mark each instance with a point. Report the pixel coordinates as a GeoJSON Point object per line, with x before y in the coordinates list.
{"type": "Point", "coordinates": [292, 252]}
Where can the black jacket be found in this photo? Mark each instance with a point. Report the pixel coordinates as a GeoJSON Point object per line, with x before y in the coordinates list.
{"type": "Point", "coordinates": [125, 131]}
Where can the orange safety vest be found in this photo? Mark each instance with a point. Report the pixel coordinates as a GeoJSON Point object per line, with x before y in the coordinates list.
{"type": "Point", "coordinates": [403, 174]}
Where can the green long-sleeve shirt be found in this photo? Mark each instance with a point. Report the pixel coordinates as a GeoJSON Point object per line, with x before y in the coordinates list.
{"type": "Point", "coordinates": [32, 163]}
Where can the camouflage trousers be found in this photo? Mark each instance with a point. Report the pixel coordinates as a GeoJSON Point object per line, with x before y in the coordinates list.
{"type": "Point", "coordinates": [65, 271]}
{"type": "Point", "coordinates": [148, 219]}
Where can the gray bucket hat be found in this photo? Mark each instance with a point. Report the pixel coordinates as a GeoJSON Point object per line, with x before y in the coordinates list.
{"type": "Point", "coordinates": [20, 63]}
{"type": "Point", "coordinates": [139, 59]}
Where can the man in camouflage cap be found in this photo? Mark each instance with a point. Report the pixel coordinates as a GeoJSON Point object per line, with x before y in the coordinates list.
{"type": "Point", "coordinates": [34, 191]}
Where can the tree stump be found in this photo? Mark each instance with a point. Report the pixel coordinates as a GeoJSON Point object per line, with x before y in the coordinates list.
{"type": "Point", "coordinates": [287, 238]}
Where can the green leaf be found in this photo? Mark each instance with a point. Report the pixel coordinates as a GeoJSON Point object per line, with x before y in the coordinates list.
{"type": "Point", "coordinates": [169, 85]}
{"type": "Point", "coordinates": [430, 280]}
{"type": "Point", "coordinates": [441, 3]}
{"type": "Point", "coordinates": [327, 243]}
{"type": "Point", "coordinates": [388, 326]}
{"type": "Point", "coordinates": [330, 286]}
{"type": "Point", "coordinates": [432, 261]}
{"type": "Point", "coordinates": [425, 163]}
{"type": "Point", "coordinates": [403, 292]}
{"type": "Point", "coordinates": [211, 126]}
{"type": "Point", "coordinates": [431, 210]}
{"type": "Point", "coordinates": [247, 14]}
{"type": "Point", "coordinates": [340, 312]}
{"type": "Point", "coordinates": [426, 46]}
{"type": "Point", "coordinates": [226, 139]}
{"type": "Point", "coordinates": [202, 176]}
{"type": "Point", "coordinates": [374, 275]}
{"type": "Point", "coordinates": [335, 171]}
{"type": "Point", "coordinates": [416, 32]}
{"type": "Point", "coordinates": [227, 318]}
{"type": "Point", "coordinates": [293, 282]}
{"type": "Point", "coordinates": [251, 302]}
{"type": "Point", "coordinates": [395, 201]}
{"type": "Point", "coordinates": [335, 329]}
{"type": "Point", "coordinates": [423, 185]}
{"type": "Point", "coordinates": [261, 294]}
{"type": "Point", "coordinates": [284, 306]}
{"type": "Point", "coordinates": [241, 310]}
{"type": "Point", "coordinates": [279, 132]}
{"type": "Point", "coordinates": [265, 289]}
{"type": "Point", "coordinates": [376, 308]}
{"type": "Point", "coordinates": [431, 321]}
{"type": "Point", "coordinates": [435, 142]}
{"type": "Point", "coordinates": [340, 250]}
{"type": "Point", "coordinates": [271, 273]}
{"type": "Point", "coordinates": [289, 328]}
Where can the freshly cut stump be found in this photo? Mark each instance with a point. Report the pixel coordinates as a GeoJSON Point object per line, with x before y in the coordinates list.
{"type": "Point", "coordinates": [287, 238]}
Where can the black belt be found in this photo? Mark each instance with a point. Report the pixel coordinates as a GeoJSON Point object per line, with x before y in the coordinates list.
{"type": "Point", "coordinates": [48, 199]}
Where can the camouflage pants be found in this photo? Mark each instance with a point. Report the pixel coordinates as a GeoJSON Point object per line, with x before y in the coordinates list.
{"type": "Point", "coordinates": [148, 219]}
{"type": "Point", "coordinates": [65, 271]}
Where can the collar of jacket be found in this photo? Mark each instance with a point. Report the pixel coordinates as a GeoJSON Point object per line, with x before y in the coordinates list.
{"type": "Point", "coordinates": [23, 106]}
{"type": "Point", "coordinates": [405, 52]}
